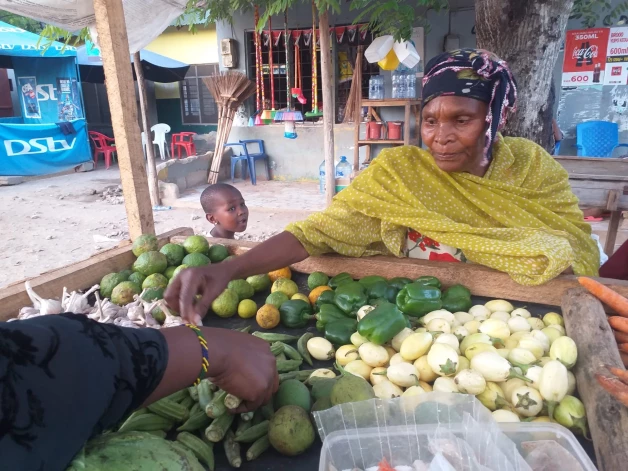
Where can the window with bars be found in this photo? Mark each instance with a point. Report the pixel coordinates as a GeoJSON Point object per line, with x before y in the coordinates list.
{"type": "Point", "coordinates": [197, 103]}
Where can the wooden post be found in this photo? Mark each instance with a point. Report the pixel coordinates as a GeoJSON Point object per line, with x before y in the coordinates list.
{"type": "Point", "coordinates": [114, 45]}
{"type": "Point", "coordinates": [151, 169]}
{"type": "Point", "coordinates": [586, 323]}
{"type": "Point", "coordinates": [328, 107]}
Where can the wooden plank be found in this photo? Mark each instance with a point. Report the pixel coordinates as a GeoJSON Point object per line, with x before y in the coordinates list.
{"type": "Point", "coordinates": [114, 46]}
{"type": "Point", "coordinates": [406, 125]}
{"type": "Point", "coordinates": [594, 194]}
{"type": "Point", "coordinates": [482, 281]}
{"type": "Point", "coordinates": [390, 102]}
{"type": "Point", "coordinates": [611, 235]}
{"type": "Point", "coordinates": [591, 166]}
{"type": "Point", "coordinates": [80, 275]}
{"type": "Point", "coordinates": [328, 110]}
{"type": "Point", "coordinates": [380, 141]}
{"type": "Point", "coordinates": [586, 324]}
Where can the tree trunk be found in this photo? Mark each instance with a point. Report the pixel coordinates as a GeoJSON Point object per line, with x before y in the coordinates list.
{"type": "Point", "coordinates": [328, 106]}
{"type": "Point", "coordinates": [527, 34]}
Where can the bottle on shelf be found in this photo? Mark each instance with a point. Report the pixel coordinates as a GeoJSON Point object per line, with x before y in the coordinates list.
{"type": "Point", "coordinates": [321, 178]}
{"type": "Point", "coordinates": [343, 168]}
{"type": "Point", "coordinates": [373, 88]}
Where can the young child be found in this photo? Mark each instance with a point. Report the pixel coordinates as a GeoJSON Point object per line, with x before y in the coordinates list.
{"type": "Point", "coordinates": [225, 208]}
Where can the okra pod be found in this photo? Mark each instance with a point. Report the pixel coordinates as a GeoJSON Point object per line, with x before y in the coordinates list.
{"type": "Point", "coordinates": [245, 329]}
{"type": "Point", "coordinates": [202, 450]}
{"type": "Point", "coordinates": [193, 392]}
{"type": "Point", "coordinates": [170, 410]}
{"type": "Point", "coordinates": [146, 423]}
{"type": "Point", "coordinates": [301, 375]}
{"type": "Point", "coordinates": [232, 402]}
{"type": "Point", "coordinates": [302, 347]}
{"type": "Point", "coordinates": [291, 352]}
{"type": "Point", "coordinates": [188, 402]}
{"type": "Point", "coordinates": [243, 425]}
{"type": "Point", "coordinates": [198, 420]}
{"type": "Point", "coordinates": [285, 366]}
{"type": "Point", "coordinates": [218, 428]}
{"type": "Point", "coordinates": [158, 433]}
{"type": "Point", "coordinates": [216, 407]}
{"type": "Point", "coordinates": [205, 394]}
{"type": "Point", "coordinates": [270, 337]}
{"type": "Point", "coordinates": [281, 357]}
{"type": "Point", "coordinates": [276, 348]}
{"type": "Point", "coordinates": [178, 396]}
{"type": "Point", "coordinates": [196, 408]}
{"type": "Point", "coordinates": [253, 433]}
{"type": "Point", "coordinates": [257, 417]}
{"type": "Point", "coordinates": [268, 410]}
{"type": "Point", "coordinates": [247, 416]}
{"type": "Point", "coordinates": [256, 449]}
{"type": "Point", "coordinates": [232, 450]}
{"type": "Point", "coordinates": [134, 414]}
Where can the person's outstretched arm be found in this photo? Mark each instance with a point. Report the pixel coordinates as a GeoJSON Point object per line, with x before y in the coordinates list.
{"type": "Point", "coordinates": [65, 378]}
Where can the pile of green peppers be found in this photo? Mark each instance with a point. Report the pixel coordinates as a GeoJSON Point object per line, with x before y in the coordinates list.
{"type": "Point", "coordinates": [424, 295]}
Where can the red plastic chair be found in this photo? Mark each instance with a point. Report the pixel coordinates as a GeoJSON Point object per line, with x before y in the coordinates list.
{"type": "Point", "coordinates": [101, 146]}
{"type": "Point", "coordinates": [180, 140]}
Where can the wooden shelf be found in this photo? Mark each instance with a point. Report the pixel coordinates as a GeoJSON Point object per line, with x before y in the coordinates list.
{"type": "Point", "coordinates": [391, 102]}
{"type": "Point", "coordinates": [380, 141]}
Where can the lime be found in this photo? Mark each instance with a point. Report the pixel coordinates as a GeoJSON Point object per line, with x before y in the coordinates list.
{"type": "Point", "coordinates": [316, 279]}
{"type": "Point", "coordinates": [286, 286]}
{"type": "Point", "coordinates": [178, 270]}
{"type": "Point", "coordinates": [137, 278]}
{"type": "Point", "coordinates": [247, 308]}
{"type": "Point", "coordinates": [151, 262]}
{"type": "Point", "coordinates": [302, 297]}
{"type": "Point", "coordinates": [259, 282]}
{"type": "Point", "coordinates": [226, 305]}
{"type": "Point", "coordinates": [124, 292]}
{"type": "Point", "coordinates": [169, 272]}
{"type": "Point", "coordinates": [242, 288]}
{"type": "Point", "coordinates": [125, 274]}
{"type": "Point", "coordinates": [174, 253]}
{"type": "Point", "coordinates": [196, 244]}
{"type": "Point", "coordinates": [277, 299]}
{"type": "Point", "coordinates": [151, 294]}
{"type": "Point", "coordinates": [217, 253]}
{"type": "Point", "coordinates": [109, 282]}
{"type": "Point", "coordinates": [145, 243]}
{"type": "Point", "coordinates": [196, 260]}
{"type": "Point", "coordinates": [156, 280]}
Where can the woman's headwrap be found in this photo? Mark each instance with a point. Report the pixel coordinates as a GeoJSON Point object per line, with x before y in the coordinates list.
{"type": "Point", "coordinates": [478, 74]}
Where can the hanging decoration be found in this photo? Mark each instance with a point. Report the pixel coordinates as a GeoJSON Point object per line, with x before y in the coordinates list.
{"type": "Point", "coordinates": [352, 33]}
{"type": "Point", "coordinates": [315, 110]}
{"type": "Point", "coordinates": [269, 114]}
{"type": "Point", "coordinates": [296, 36]}
{"type": "Point", "coordinates": [340, 33]}
{"type": "Point", "coordinates": [258, 63]}
{"type": "Point", "coordinates": [307, 37]}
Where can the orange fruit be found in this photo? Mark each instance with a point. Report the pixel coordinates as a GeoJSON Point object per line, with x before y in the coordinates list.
{"type": "Point", "coordinates": [267, 316]}
{"type": "Point", "coordinates": [316, 292]}
{"type": "Point", "coordinates": [281, 273]}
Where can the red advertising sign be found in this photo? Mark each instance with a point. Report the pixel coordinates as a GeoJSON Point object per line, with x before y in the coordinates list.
{"type": "Point", "coordinates": [585, 57]}
{"type": "Point", "coordinates": [617, 57]}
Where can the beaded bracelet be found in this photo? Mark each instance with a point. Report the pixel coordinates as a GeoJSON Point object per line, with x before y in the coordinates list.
{"type": "Point", "coordinates": [204, 353]}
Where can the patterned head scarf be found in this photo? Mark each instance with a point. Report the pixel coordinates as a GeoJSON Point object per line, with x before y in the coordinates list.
{"type": "Point", "coordinates": [474, 73]}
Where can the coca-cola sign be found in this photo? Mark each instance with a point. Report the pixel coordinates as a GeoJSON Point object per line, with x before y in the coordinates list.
{"type": "Point", "coordinates": [585, 57]}
{"type": "Point", "coordinates": [590, 52]}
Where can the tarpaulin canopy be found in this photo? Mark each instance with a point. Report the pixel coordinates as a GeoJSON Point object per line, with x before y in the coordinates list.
{"type": "Point", "coordinates": [156, 67]}
{"type": "Point", "coordinates": [17, 42]}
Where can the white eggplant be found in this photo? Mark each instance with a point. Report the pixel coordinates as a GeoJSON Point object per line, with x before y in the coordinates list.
{"type": "Point", "coordinates": [320, 348]}
{"type": "Point", "coordinates": [470, 382]}
{"type": "Point", "coordinates": [518, 324]}
{"type": "Point", "coordinates": [400, 337]}
{"type": "Point", "coordinates": [503, 415]}
{"type": "Point", "coordinates": [403, 375]}
{"type": "Point", "coordinates": [359, 368]}
{"type": "Point", "coordinates": [534, 375]}
{"type": "Point", "coordinates": [564, 350]}
{"type": "Point", "coordinates": [425, 372]}
{"type": "Point", "coordinates": [553, 384]}
{"type": "Point", "coordinates": [527, 401]}
{"type": "Point", "coordinates": [480, 310]}
{"type": "Point", "coordinates": [413, 391]}
{"type": "Point", "coordinates": [45, 306]}
{"type": "Point", "coordinates": [559, 328]}
{"type": "Point", "coordinates": [535, 323]}
{"type": "Point", "coordinates": [528, 342]}
{"type": "Point", "coordinates": [396, 358]}
{"type": "Point", "coordinates": [499, 305]}
{"type": "Point", "coordinates": [474, 338]}
{"type": "Point", "coordinates": [553, 318]}
{"type": "Point", "coordinates": [570, 413]}
{"type": "Point", "coordinates": [449, 339]}
{"type": "Point", "coordinates": [521, 312]}
{"type": "Point", "coordinates": [496, 329]}
{"type": "Point", "coordinates": [463, 317]}
{"type": "Point", "coordinates": [445, 384]}
{"type": "Point", "coordinates": [460, 332]}
{"type": "Point", "coordinates": [427, 387]}
{"type": "Point", "coordinates": [416, 345]}
{"type": "Point", "coordinates": [476, 348]}
{"type": "Point", "coordinates": [438, 325]}
{"type": "Point", "coordinates": [378, 375]}
{"type": "Point", "coordinates": [543, 361]}
{"type": "Point", "coordinates": [551, 334]}
{"type": "Point", "coordinates": [443, 359]}
{"type": "Point", "coordinates": [494, 368]}
{"type": "Point", "coordinates": [463, 363]}
{"type": "Point", "coordinates": [387, 390]}
{"type": "Point", "coordinates": [500, 316]}
{"type": "Point", "coordinates": [322, 373]}
{"type": "Point", "coordinates": [521, 357]}
{"type": "Point", "coordinates": [357, 339]}
{"type": "Point", "coordinates": [504, 352]}
{"type": "Point", "coordinates": [364, 310]}
{"type": "Point", "coordinates": [571, 388]}
{"type": "Point", "coordinates": [420, 330]}
{"type": "Point", "coordinates": [509, 386]}
{"type": "Point", "coordinates": [346, 354]}
{"type": "Point", "coordinates": [492, 397]}
{"type": "Point", "coordinates": [373, 355]}
{"type": "Point", "coordinates": [542, 339]}
{"type": "Point", "coordinates": [440, 314]}
{"type": "Point", "coordinates": [473, 326]}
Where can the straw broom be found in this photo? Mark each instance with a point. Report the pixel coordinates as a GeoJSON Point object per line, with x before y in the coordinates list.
{"type": "Point", "coordinates": [229, 91]}
{"type": "Point", "coordinates": [352, 108]}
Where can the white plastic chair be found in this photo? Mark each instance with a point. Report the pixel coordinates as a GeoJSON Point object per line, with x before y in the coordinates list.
{"type": "Point", "coordinates": [160, 131]}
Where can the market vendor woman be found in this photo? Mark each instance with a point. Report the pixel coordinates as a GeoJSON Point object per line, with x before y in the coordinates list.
{"type": "Point", "coordinates": [474, 196]}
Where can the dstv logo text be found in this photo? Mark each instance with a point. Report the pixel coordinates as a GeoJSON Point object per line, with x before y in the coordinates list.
{"type": "Point", "coordinates": [36, 146]}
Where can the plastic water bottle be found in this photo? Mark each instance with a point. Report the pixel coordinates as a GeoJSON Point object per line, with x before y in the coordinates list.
{"type": "Point", "coordinates": [343, 168]}
{"type": "Point", "coordinates": [380, 87]}
{"type": "Point", "coordinates": [403, 82]}
{"type": "Point", "coordinates": [321, 178]}
{"type": "Point", "coordinates": [395, 84]}
{"type": "Point", "coordinates": [412, 83]}
{"type": "Point", "coordinates": [373, 88]}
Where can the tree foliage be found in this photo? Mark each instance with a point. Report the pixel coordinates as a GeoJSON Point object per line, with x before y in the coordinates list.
{"type": "Point", "coordinates": [589, 12]}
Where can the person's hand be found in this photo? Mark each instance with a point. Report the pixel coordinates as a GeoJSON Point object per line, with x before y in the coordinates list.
{"type": "Point", "coordinates": [242, 365]}
{"type": "Point", "coordinates": [208, 281]}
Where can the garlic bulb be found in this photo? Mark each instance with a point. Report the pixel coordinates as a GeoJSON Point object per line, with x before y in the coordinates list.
{"type": "Point", "coordinates": [76, 302]}
{"type": "Point", "coordinates": [45, 306]}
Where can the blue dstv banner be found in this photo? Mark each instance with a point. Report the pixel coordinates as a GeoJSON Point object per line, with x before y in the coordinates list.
{"type": "Point", "coordinates": [40, 149]}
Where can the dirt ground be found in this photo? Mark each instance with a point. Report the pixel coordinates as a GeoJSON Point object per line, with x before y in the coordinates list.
{"type": "Point", "coordinates": [49, 223]}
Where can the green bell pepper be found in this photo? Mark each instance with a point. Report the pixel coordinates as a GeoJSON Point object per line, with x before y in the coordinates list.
{"type": "Point", "coordinates": [339, 279]}
{"type": "Point", "coordinates": [399, 282]}
{"type": "Point", "coordinates": [457, 298]}
{"type": "Point", "coordinates": [339, 332]}
{"type": "Point", "coordinates": [350, 297]}
{"type": "Point", "coordinates": [329, 313]}
{"type": "Point", "coordinates": [377, 290]}
{"type": "Point", "coordinates": [295, 313]}
{"type": "Point", "coordinates": [326, 297]}
{"type": "Point", "coordinates": [391, 294]}
{"type": "Point", "coordinates": [320, 326]}
{"type": "Point", "coordinates": [429, 281]}
{"type": "Point", "coordinates": [382, 324]}
{"type": "Point", "coordinates": [417, 300]}
{"type": "Point", "coordinates": [369, 281]}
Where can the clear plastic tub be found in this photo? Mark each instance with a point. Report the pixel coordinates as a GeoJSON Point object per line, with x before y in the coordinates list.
{"type": "Point", "coordinates": [458, 422]}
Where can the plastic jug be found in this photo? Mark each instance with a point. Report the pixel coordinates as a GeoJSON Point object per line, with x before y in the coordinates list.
{"type": "Point", "coordinates": [343, 168]}
{"type": "Point", "coordinates": [379, 48]}
{"type": "Point", "coordinates": [321, 178]}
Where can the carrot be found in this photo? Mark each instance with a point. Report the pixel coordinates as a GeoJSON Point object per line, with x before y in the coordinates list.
{"type": "Point", "coordinates": [614, 387]}
{"type": "Point", "coordinates": [621, 374]}
{"type": "Point", "coordinates": [619, 323]}
{"type": "Point", "coordinates": [606, 295]}
{"type": "Point", "coordinates": [384, 466]}
{"type": "Point", "coordinates": [620, 337]}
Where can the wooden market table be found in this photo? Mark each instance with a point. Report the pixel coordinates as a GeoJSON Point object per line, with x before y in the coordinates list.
{"type": "Point", "coordinates": [600, 183]}
{"type": "Point", "coordinates": [585, 321]}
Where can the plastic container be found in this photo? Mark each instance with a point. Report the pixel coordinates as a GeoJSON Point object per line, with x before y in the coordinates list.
{"type": "Point", "coordinates": [343, 168]}
{"type": "Point", "coordinates": [379, 48]}
{"type": "Point", "coordinates": [406, 53]}
{"type": "Point", "coordinates": [321, 178]}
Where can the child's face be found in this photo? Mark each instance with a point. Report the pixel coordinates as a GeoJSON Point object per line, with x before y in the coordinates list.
{"type": "Point", "coordinates": [230, 212]}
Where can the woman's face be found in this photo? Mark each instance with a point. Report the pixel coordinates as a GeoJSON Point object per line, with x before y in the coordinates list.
{"type": "Point", "coordinates": [454, 129]}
